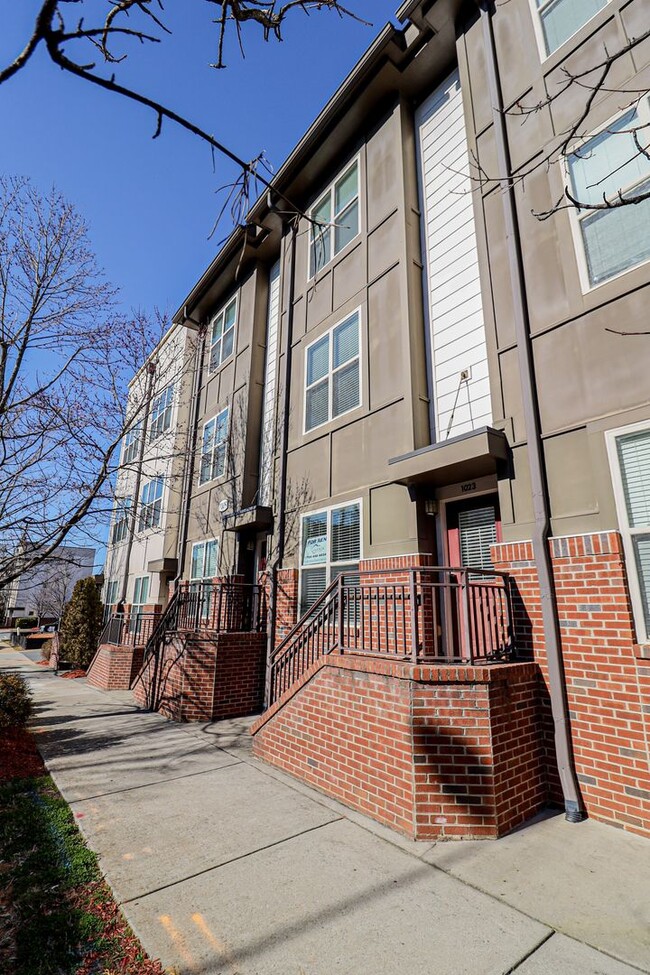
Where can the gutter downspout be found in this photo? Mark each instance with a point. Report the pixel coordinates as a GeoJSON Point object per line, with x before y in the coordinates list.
{"type": "Point", "coordinates": [282, 513]}
{"type": "Point", "coordinates": [151, 374]}
{"type": "Point", "coordinates": [188, 473]}
{"type": "Point", "coordinates": [574, 807]}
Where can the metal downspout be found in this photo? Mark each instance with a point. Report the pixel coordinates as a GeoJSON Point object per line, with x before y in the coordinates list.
{"type": "Point", "coordinates": [574, 806]}
{"type": "Point", "coordinates": [282, 512]}
{"type": "Point", "coordinates": [188, 473]}
{"type": "Point", "coordinates": [151, 374]}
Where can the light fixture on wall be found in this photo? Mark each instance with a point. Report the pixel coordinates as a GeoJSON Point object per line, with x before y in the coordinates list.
{"type": "Point", "coordinates": [431, 507]}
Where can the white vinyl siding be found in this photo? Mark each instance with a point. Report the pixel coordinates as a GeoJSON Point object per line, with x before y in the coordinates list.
{"type": "Point", "coordinates": [452, 283]}
{"type": "Point", "coordinates": [270, 386]}
{"type": "Point", "coordinates": [332, 374]}
{"type": "Point", "coordinates": [330, 545]}
{"type": "Point", "coordinates": [614, 240]}
{"type": "Point", "coordinates": [629, 454]}
{"type": "Point", "coordinates": [477, 530]}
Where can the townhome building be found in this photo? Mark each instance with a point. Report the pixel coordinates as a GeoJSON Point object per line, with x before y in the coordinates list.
{"type": "Point", "coordinates": [142, 550]}
{"type": "Point", "coordinates": [417, 481]}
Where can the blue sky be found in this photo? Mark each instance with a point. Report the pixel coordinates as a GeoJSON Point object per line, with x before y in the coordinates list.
{"type": "Point", "coordinates": [150, 205]}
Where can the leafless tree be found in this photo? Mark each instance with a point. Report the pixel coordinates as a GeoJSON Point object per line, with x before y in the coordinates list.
{"type": "Point", "coordinates": [587, 87]}
{"type": "Point", "coordinates": [66, 355]}
{"type": "Point", "coordinates": [91, 44]}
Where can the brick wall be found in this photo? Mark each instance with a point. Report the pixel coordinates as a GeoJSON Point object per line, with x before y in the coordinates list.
{"type": "Point", "coordinates": [114, 667]}
{"type": "Point", "coordinates": [433, 752]}
{"type": "Point", "coordinates": [286, 607]}
{"type": "Point", "coordinates": [201, 678]}
{"type": "Point", "coordinates": [608, 681]}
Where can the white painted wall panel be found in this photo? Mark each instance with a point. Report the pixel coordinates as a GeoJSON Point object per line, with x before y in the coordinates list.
{"type": "Point", "coordinates": [270, 385]}
{"type": "Point", "coordinates": [452, 289]}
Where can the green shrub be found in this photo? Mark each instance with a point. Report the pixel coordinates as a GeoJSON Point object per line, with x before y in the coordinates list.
{"type": "Point", "coordinates": [27, 622]}
{"type": "Point", "coordinates": [15, 701]}
{"type": "Point", "coordinates": [81, 624]}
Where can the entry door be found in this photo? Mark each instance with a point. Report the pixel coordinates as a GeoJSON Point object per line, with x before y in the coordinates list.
{"type": "Point", "coordinates": [473, 526]}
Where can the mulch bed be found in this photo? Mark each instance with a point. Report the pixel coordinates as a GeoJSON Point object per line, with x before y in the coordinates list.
{"type": "Point", "coordinates": [18, 756]}
{"type": "Point", "coordinates": [57, 914]}
{"type": "Point", "coordinates": [73, 674]}
{"type": "Point", "coordinates": [42, 663]}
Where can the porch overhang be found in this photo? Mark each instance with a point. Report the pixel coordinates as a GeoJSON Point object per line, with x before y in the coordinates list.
{"type": "Point", "coordinates": [166, 566]}
{"type": "Point", "coordinates": [462, 458]}
{"type": "Point", "coordinates": [255, 518]}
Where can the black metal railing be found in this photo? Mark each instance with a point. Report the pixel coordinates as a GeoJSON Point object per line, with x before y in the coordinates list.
{"type": "Point", "coordinates": [131, 629]}
{"type": "Point", "coordinates": [224, 606]}
{"type": "Point", "coordinates": [425, 615]}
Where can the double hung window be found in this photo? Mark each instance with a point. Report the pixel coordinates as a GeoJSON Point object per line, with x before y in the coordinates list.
{"type": "Point", "coordinates": [608, 167]}
{"type": "Point", "coordinates": [151, 504]}
{"type": "Point", "coordinates": [132, 443]}
{"type": "Point", "coordinates": [121, 520]}
{"type": "Point", "coordinates": [140, 599]}
{"type": "Point", "coordinates": [330, 546]}
{"type": "Point", "coordinates": [222, 334]}
{"type": "Point", "coordinates": [335, 219]}
{"type": "Point", "coordinates": [161, 413]}
{"type": "Point", "coordinates": [213, 448]}
{"type": "Point", "coordinates": [629, 454]}
{"type": "Point", "coordinates": [560, 19]}
{"type": "Point", "coordinates": [332, 374]}
{"type": "Point", "coordinates": [110, 597]}
{"type": "Point", "coordinates": [203, 570]}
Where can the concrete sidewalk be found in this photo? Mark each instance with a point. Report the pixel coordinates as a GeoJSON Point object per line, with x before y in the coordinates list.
{"type": "Point", "coordinates": [224, 866]}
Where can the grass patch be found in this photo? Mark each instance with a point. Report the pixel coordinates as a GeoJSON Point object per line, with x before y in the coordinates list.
{"type": "Point", "coordinates": [56, 913]}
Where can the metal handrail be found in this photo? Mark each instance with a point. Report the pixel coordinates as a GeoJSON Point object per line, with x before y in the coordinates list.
{"type": "Point", "coordinates": [434, 614]}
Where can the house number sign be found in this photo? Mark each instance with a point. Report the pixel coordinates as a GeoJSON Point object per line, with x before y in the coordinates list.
{"type": "Point", "coordinates": [468, 486]}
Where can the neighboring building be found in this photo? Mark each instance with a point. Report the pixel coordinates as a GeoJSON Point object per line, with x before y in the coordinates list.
{"type": "Point", "coordinates": [142, 551]}
{"type": "Point", "coordinates": [43, 591]}
{"type": "Point", "coordinates": [416, 389]}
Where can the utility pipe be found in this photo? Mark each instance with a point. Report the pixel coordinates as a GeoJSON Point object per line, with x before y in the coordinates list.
{"type": "Point", "coordinates": [574, 807]}
{"type": "Point", "coordinates": [151, 375]}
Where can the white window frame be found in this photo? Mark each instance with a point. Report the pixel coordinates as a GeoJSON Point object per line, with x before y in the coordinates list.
{"type": "Point", "coordinates": [155, 505]}
{"type": "Point", "coordinates": [330, 230]}
{"type": "Point", "coordinates": [539, 30]}
{"type": "Point", "coordinates": [576, 218]}
{"type": "Point", "coordinates": [112, 589]}
{"type": "Point", "coordinates": [628, 533]}
{"type": "Point", "coordinates": [222, 311]}
{"type": "Point", "coordinates": [121, 517]}
{"type": "Point", "coordinates": [160, 419]}
{"type": "Point", "coordinates": [215, 420]}
{"type": "Point", "coordinates": [205, 542]}
{"type": "Point", "coordinates": [328, 564]}
{"type": "Point", "coordinates": [330, 373]}
{"type": "Point", "coordinates": [132, 442]}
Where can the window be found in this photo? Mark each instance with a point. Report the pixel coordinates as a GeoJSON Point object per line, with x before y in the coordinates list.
{"type": "Point", "coordinates": [337, 217]}
{"type": "Point", "coordinates": [477, 531]}
{"type": "Point", "coordinates": [151, 504]}
{"type": "Point", "coordinates": [161, 413]}
{"type": "Point", "coordinates": [204, 560]}
{"type": "Point", "coordinates": [140, 599]}
{"type": "Point", "coordinates": [560, 19]}
{"type": "Point", "coordinates": [132, 442]}
{"type": "Point", "coordinates": [121, 520]}
{"type": "Point", "coordinates": [222, 334]}
{"type": "Point", "coordinates": [330, 545]}
{"type": "Point", "coordinates": [629, 455]}
{"type": "Point", "coordinates": [618, 239]}
{"type": "Point", "coordinates": [110, 599]}
{"type": "Point", "coordinates": [332, 380]}
{"type": "Point", "coordinates": [213, 449]}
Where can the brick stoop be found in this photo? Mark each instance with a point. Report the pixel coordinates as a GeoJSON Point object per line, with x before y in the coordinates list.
{"type": "Point", "coordinates": [202, 677]}
{"type": "Point", "coordinates": [434, 752]}
{"type": "Point", "coordinates": [115, 667]}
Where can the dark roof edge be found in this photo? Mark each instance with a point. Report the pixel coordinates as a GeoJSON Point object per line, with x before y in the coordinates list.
{"type": "Point", "coordinates": [364, 65]}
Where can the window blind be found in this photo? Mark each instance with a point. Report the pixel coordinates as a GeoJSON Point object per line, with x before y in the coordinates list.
{"type": "Point", "coordinates": [562, 18]}
{"type": "Point", "coordinates": [634, 460]}
{"type": "Point", "coordinates": [478, 532]}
